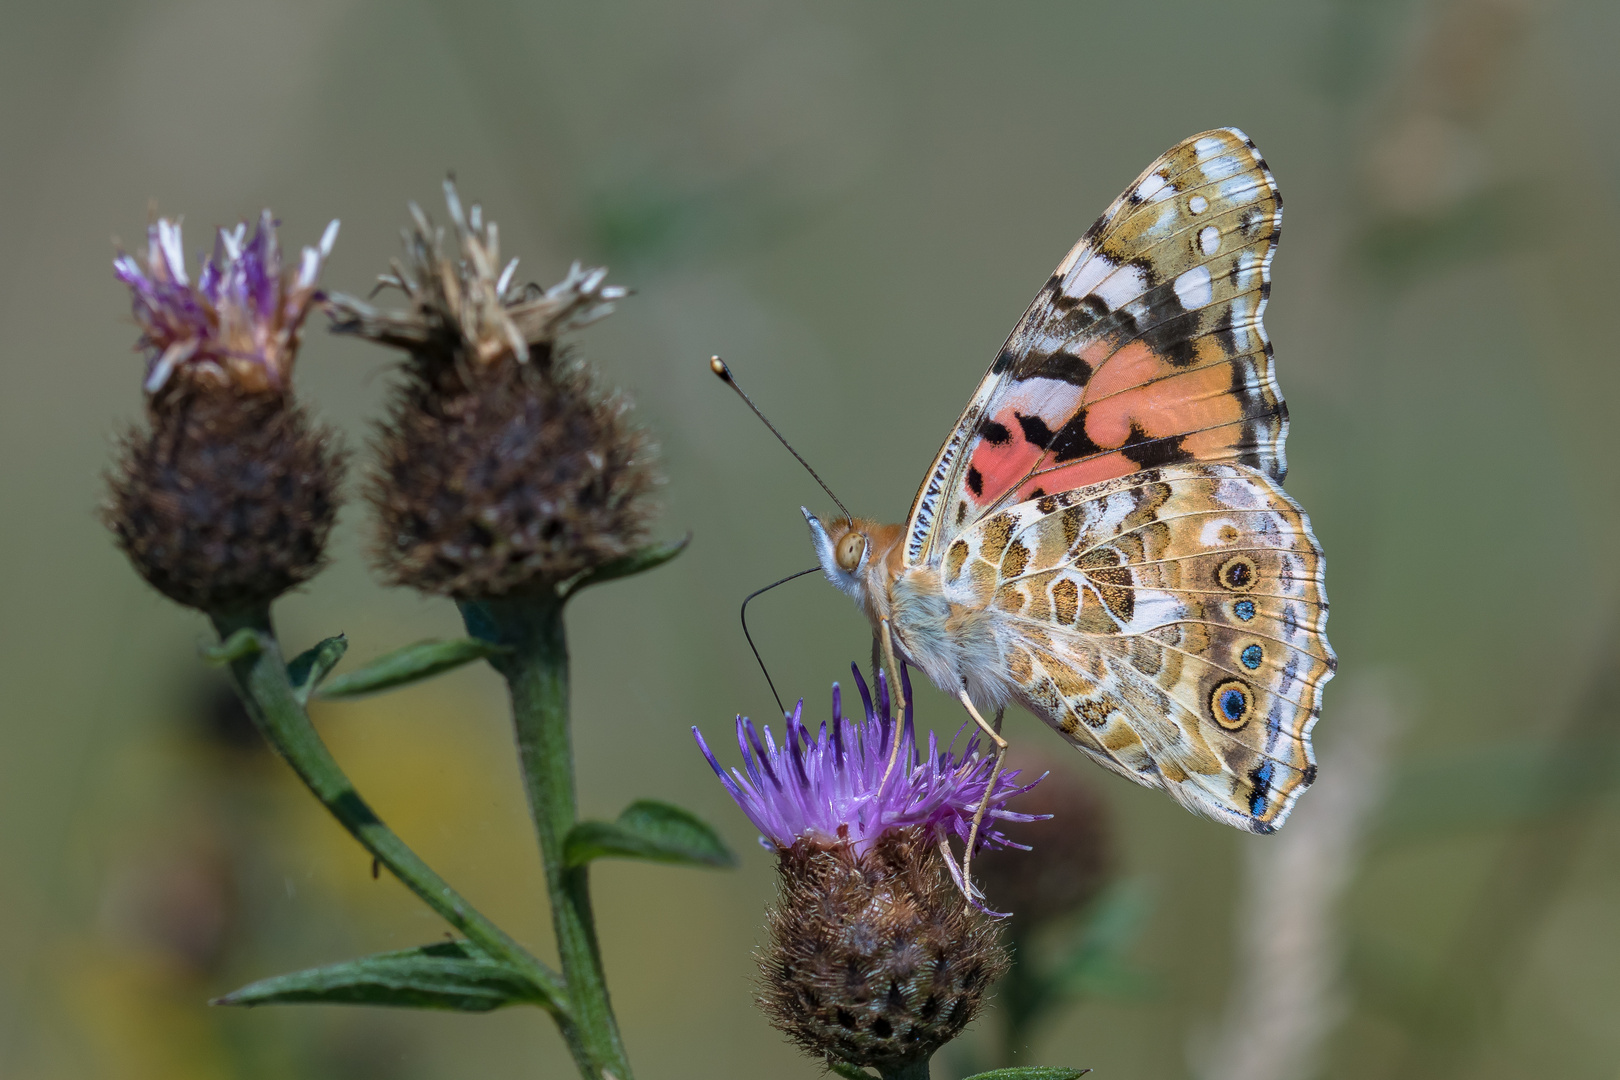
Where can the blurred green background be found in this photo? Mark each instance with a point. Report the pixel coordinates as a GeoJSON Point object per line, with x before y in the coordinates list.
{"type": "Point", "coordinates": [852, 203]}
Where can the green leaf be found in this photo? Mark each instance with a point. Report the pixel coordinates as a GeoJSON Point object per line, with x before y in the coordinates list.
{"type": "Point", "coordinates": [1030, 1072]}
{"type": "Point", "coordinates": [411, 664]}
{"type": "Point", "coordinates": [636, 562]}
{"type": "Point", "coordinates": [314, 664]}
{"type": "Point", "coordinates": [239, 646]}
{"type": "Point", "coordinates": [447, 975]}
{"type": "Point", "coordinates": [648, 830]}
{"type": "Point", "coordinates": [850, 1072]}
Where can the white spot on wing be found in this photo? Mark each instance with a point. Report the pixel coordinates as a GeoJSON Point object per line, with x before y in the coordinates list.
{"type": "Point", "coordinates": [1122, 286]}
{"type": "Point", "coordinates": [1247, 270]}
{"type": "Point", "coordinates": [1241, 189]}
{"type": "Point", "coordinates": [1150, 186]}
{"type": "Point", "coordinates": [1193, 288]}
{"type": "Point", "coordinates": [1198, 204]}
{"type": "Point", "coordinates": [1088, 275]}
{"type": "Point", "coordinates": [1221, 168]}
{"type": "Point", "coordinates": [1210, 535]}
{"type": "Point", "coordinates": [1208, 148]}
{"type": "Point", "coordinates": [1209, 240]}
{"type": "Point", "coordinates": [1050, 399]}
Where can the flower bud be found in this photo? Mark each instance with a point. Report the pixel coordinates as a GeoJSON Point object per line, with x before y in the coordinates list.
{"type": "Point", "coordinates": [225, 498]}
{"type": "Point", "coordinates": [503, 466]}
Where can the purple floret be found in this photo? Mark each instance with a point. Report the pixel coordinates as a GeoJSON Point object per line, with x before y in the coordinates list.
{"type": "Point", "coordinates": [838, 785]}
{"type": "Point", "coordinates": [239, 322]}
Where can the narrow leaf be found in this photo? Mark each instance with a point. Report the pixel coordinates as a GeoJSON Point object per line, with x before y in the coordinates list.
{"type": "Point", "coordinates": [636, 562]}
{"type": "Point", "coordinates": [310, 667]}
{"type": "Point", "coordinates": [648, 830]}
{"type": "Point", "coordinates": [850, 1072]}
{"type": "Point", "coordinates": [447, 975]}
{"type": "Point", "coordinates": [1031, 1072]}
{"type": "Point", "coordinates": [411, 664]}
{"type": "Point", "coordinates": [239, 646]}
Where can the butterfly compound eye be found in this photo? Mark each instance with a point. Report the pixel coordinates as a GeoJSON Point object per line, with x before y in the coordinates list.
{"type": "Point", "coordinates": [850, 550]}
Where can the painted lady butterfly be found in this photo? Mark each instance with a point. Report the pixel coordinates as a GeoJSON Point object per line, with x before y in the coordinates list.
{"type": "Point", "coordinates": [1103, 538]}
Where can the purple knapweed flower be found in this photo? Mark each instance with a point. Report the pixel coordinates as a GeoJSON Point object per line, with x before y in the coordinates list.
{"type": "Point", "coordinates": [873, 958]}
{"type": "Point", "coordinates": [239, 322]}
{"type": "Point", "coordinates": [837, 786]}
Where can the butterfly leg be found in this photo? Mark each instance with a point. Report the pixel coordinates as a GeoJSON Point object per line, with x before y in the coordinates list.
{"type": "Point", "coordinates": [995, 772]}
{"type": "Point", "coordinates": [897, 694]}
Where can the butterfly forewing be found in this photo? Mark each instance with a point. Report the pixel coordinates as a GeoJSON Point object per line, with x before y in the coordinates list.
{"type": "Point", "coordinates": [1144, 348]}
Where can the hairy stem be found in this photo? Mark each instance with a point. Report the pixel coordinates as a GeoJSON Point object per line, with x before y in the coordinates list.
{"type": "Point", "coordinates": [261, 679]}
{"type": "Point", "coordinates": [536, 672]}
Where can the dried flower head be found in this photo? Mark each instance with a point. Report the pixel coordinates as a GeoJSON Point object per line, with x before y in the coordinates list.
{"type": "Point", "coordinates": [239, 324]}
{"type": "Point", "coordinates": [466, 309]}
{"type": "Point", "coordinates": [874, 958]}
{"type": "Point", "coordinates": [226, 497]}
{"type": "Point", "coordinates": [502, 466]}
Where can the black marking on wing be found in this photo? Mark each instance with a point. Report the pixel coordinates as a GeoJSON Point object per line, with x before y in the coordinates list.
{"type": "Point", "coordinates": [1035, 430]}
{"type": "Point", "coordinates": [1223, 330]}
{"type": "Point", "coordinates": [1072, 442]}
{"type": "Point", "coordinates": [1060, 366]}
{"type": "Point", "coordinates": [1149, 453]}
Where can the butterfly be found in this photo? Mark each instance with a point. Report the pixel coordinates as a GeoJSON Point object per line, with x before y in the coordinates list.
{"type": "Point", "coordinates": [1103, 538]}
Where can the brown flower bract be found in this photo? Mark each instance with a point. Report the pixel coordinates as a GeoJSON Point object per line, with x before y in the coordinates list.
{"type": "Point", "coordinates": [225, 499]}
{"type": "Point", "coordinates": [874, 960]}
{"type": "Point", "coordinates": [496, 478]}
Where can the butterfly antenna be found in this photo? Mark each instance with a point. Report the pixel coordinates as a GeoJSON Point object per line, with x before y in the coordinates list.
{"type": "Point", "coordinates": [718, 366]}
{"type": "Point", "coordinates": [750, 637]}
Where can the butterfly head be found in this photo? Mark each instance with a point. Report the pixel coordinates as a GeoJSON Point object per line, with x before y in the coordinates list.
{"type": "Point", "coordinates": [854, 553]}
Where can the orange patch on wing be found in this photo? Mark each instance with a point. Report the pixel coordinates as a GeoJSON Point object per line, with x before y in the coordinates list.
{"type": "Point", "coordinates": [1068, 477]}
{"type": "Point", "coordinates": [1189, 401]}
{"type": "Point", "coordinates": [1131, 366]}
{"type": "Point", "coordinates": [1215, 444]}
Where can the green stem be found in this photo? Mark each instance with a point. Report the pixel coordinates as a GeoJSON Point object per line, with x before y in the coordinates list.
{"type": "Point", "coordinates": [536, 672]}
{"type": "Point", "coordinates": [261, 679]}
{"type": "Point", "coordinates": [917, 1070]}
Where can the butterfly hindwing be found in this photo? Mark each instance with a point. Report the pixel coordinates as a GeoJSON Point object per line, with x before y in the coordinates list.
{"type": "Point", "coordinates": [1170, 623]}
{"type": "Point", "coordinates": [1145, 348]}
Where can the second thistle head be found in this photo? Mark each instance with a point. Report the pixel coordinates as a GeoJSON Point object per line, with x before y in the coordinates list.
{"type": "Point", "coordinates": [224, 499]}
{"type": "Point", "coordinates": [874, 958]}
{"type": "Point", "coordinates": [503, 467]}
